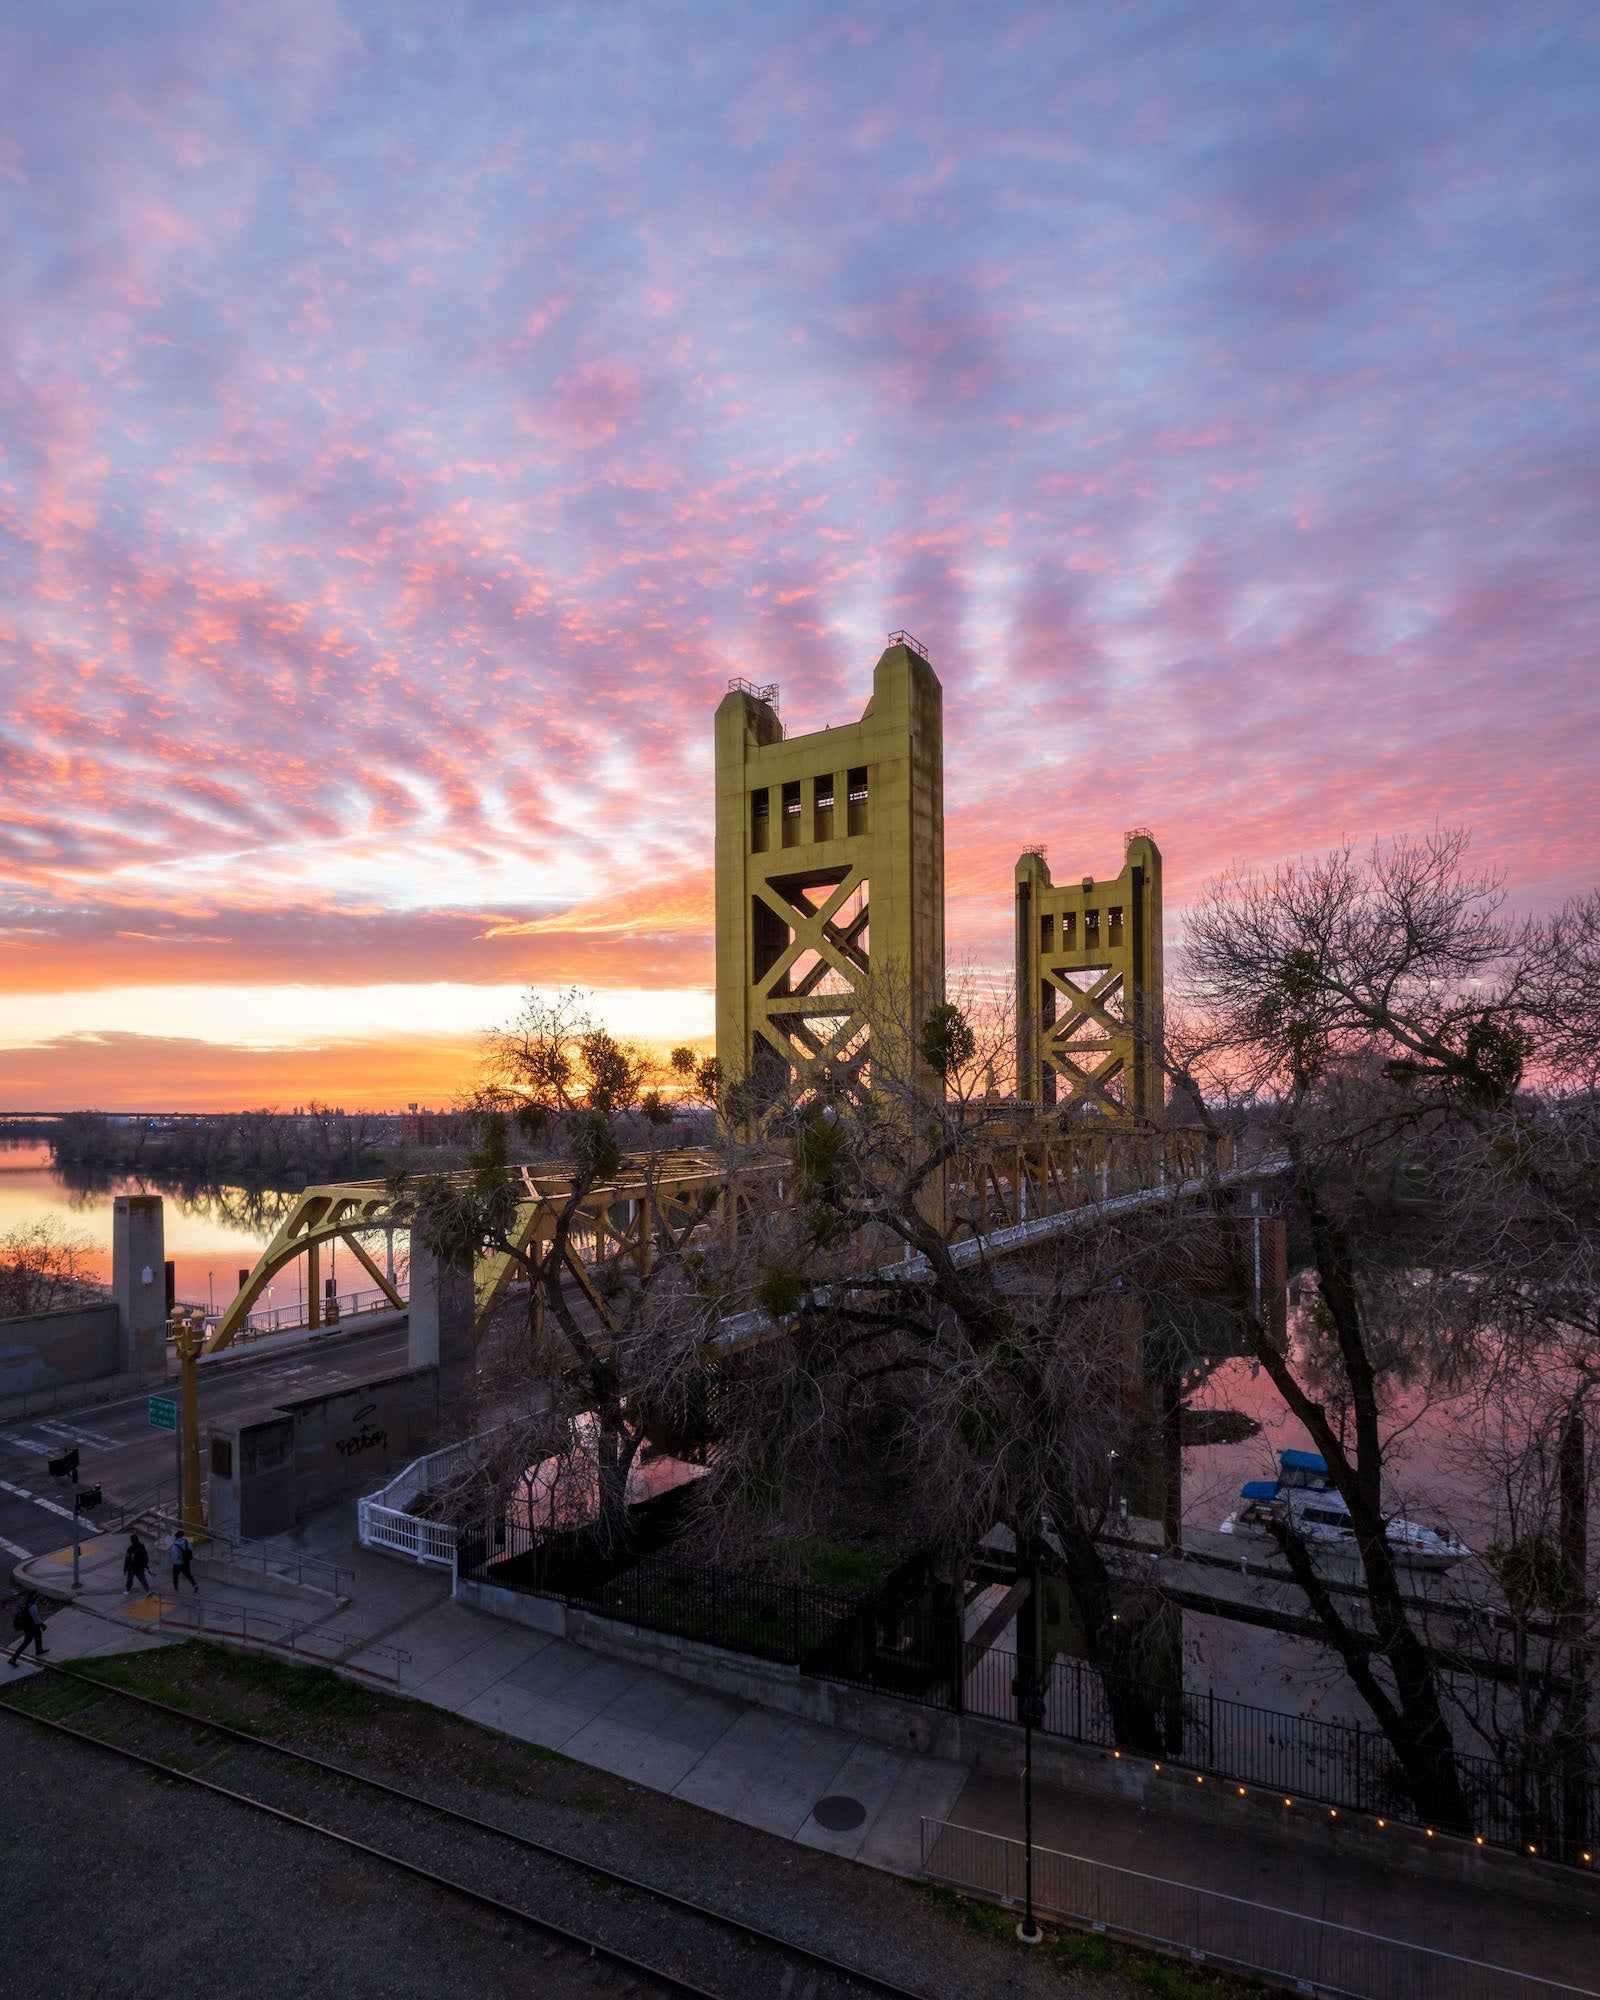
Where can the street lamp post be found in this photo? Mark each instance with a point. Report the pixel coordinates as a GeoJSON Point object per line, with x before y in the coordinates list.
{"type": "Point", "coordinates": [189, 1337]}
{"type": "Point", "coordinates": [1031, 1707]}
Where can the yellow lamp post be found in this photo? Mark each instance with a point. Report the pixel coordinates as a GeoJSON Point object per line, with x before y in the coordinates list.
{"type": "Point", "coordinates": [188, 1336]}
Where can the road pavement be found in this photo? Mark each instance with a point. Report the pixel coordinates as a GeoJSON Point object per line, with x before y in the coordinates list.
{"type": "Point", "coordinates": [120, 1451]}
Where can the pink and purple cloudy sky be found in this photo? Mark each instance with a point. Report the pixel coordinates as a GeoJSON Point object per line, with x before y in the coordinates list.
{"type": "Point", "coordinates": [411, 416]}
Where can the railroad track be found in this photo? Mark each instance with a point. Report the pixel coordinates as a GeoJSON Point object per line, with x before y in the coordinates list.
{"type": "Point", "coordinates": [583, 1908]}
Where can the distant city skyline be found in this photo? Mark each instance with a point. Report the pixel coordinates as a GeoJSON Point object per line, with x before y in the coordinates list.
{"type": "Point", "coordinates": [411, 419]}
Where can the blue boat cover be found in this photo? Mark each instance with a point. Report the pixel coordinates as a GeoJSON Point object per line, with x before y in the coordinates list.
{"type": "Point", "coordinates": [1259, 1489]}
{"type": "Point", "coordinates": [1302, 1461]}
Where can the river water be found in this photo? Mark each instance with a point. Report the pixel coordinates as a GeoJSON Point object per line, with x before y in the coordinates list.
{"type": "Point", "coordinates": [211, 1236]}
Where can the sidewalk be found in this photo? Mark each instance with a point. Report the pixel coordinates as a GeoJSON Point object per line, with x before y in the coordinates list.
{"type": "Point", "coordinates": [771, 1771]}
{"type": "Point", "coordinates": [764, 1770]}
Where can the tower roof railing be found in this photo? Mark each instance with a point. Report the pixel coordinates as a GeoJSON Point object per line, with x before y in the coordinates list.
{"type": "Point", "coordinates": [759, 692]}
{"type": "Point", "coordinates": [912, 645]}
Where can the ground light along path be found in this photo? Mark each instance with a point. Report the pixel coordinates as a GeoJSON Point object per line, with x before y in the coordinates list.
{"type": "Point", "coordinates": [742, 1960]}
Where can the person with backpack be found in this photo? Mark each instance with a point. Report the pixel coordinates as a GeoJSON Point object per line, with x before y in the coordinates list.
{"type": "Point", "coordinates": [182, 1561]}
{"type": "Point", "coordinates": [29, 1621]}
{"type": "Point", "coordinates": [135, 1564]}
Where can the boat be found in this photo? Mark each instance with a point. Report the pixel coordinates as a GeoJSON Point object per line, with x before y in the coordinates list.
{"type": "Point", "coordinates": [1304, 1497]}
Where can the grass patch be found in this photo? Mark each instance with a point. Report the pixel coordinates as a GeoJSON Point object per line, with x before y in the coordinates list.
{"type": "Point", "coordinates": [198, 1676]}
{"type": "Point", "coordinates": [51, 1696]}
{"type": "Point", "coordinates": [1070, 1951]}
{"type": "Point", "coordinates": [312, 1709]}
{"type": "Point", "coordinates": [838, 1565]}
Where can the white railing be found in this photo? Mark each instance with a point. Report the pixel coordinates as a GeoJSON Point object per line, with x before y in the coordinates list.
{"type": "Point", "coordinates": [383, 1521]}
{"type": "Point", "coordinates": [1309, 1954]}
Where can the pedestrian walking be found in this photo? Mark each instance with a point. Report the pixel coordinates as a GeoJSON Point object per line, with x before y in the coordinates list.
{"type": "Point", "coordinates": [29, 1621]}
{"type": "Point", "coordinates": [135, 1564]}
{"type": "Point", "coordinates": [182, 1561]}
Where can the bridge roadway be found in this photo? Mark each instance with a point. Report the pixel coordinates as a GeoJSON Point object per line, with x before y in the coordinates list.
{"type": "Point", "coordinates": [122, 1453]}
{"type": "Point", "coordinates": [741, 1330]}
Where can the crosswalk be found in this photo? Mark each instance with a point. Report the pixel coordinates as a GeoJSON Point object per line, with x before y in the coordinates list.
{"type": "Point", "coordinates": [74, 1433]}
{"type": "Point", "coordinates": [22, 1493]}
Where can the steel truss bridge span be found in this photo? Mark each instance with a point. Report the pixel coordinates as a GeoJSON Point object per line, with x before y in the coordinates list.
{"type": "Point", "coordinates": [1021, 1181]}
{"type": "Point", "coordinates": [628, 1216]}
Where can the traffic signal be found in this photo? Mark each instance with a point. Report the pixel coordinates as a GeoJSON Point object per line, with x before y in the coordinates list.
{"type": "Point", "coordinates": [88, 1496]}
{"type": "Point", "coordinates": [66, 1466]}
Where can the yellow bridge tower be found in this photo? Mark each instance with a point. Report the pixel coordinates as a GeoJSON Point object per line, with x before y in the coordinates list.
{"type": "Point", "coordinates": [830, 888]}
{"type": "Point", "coordinates": [1089, 987]}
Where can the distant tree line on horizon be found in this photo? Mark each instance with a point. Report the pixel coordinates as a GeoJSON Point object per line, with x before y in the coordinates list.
{"type": "Point", "coordinates": [262, 1148]}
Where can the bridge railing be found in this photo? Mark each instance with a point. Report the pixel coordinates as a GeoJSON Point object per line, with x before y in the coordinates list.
{"type": "Point", "coordinates": [365, 1304]}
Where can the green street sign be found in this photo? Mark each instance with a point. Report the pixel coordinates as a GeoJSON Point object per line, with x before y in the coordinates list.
{"type": "Point", "coordinates": [163, 1413]}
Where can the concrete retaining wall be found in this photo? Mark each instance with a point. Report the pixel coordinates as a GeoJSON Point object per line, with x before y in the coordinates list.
{"type": "Point", "coordinates": [997, 1746]}
{"type": "Point", "coordinates": [51, 1350]}
{"type": "Point", "coordinates": [315, 1450]}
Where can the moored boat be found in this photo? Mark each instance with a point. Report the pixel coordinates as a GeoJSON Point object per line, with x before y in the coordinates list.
{"type": "Point", "coordinates": [1304, 1497]}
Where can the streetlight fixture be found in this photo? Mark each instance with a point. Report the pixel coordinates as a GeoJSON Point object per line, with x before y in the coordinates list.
{"type": "Point", "coordinates": [1031, 1708]}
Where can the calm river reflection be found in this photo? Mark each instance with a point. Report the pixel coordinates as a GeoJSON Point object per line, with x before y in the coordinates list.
{"type": "Point", "coordinates": [211, 1235]}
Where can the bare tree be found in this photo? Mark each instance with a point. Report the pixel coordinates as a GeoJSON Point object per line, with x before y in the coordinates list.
{"type": "Point", "coordinates": [560, 1076]}
{"type": "Point", "coordinates": [901, 1365]}
{"type": "Point", "coordinates": [43, 1266]}
{"type": "Point", "coordinates": [1376, 1018]}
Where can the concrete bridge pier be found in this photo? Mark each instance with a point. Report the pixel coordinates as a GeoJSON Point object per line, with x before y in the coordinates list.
{"type": "Point", "coordinates": [138, 1279]}
{"type": "Point", "coordinates": [441, 1332]}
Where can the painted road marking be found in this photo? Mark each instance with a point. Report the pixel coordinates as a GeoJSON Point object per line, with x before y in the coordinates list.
{"type": "Point", "coordinates": [22, 1493]}
{"type": "Point", "coordinates": [76, 1433]}
{"type": "Point", "coordinates": [27, 1444]}
{"type": "Point", "coordinates": [12, 1549]}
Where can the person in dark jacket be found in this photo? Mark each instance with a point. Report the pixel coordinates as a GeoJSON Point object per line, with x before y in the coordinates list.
{"type": "Point", "coordinates": [29, 1621]}
{"type": "Point", "coordinates": [135, 1564]}
{"type": "Point", "coordinates": [182, 1562]}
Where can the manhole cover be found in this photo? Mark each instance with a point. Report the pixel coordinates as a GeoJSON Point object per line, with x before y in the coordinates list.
{"type": "Point", "coordinates": [838, 1813]}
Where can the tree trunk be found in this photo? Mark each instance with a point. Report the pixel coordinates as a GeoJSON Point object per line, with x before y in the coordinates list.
{"type": "Point", "coordinates": [1573, 1743]}
{"type": "Point", "coordinates": [1107, 1638]}
{"type": "Point", "coordinates": [1414, 1722]}
{"type": "Point", "coordinates": [1418, 1733]}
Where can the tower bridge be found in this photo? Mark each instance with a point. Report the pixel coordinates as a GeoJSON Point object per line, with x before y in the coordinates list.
{"type": "Point", "coordinates": [829, 862]}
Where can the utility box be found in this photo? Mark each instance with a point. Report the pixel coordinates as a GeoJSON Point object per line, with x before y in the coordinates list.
{"type": "Point", "coordinates": [254, 1496]}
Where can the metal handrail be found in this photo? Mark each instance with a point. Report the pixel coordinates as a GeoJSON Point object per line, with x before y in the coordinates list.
{"type": "Point", "coordinates": [759, 691]}
{"type": "Point", "coordinates": [1253, 1925]}
{"type": "Point", "coordinates": [306, 1638]}
{"type": "Point", "coordinates": [262, 1554]}
{"type": "Point", "coordinates": [912, 645]}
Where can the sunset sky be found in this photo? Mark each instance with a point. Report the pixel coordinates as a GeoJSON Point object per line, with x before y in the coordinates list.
{"type": "Point", "coordinates": [411, 417]}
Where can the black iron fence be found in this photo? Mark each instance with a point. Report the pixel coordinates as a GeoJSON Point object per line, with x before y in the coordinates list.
{"type": "Point", "coordinates": [883, 1640]}
{"type": "Point", "coordinates": [901, 1641]}
{"type": "Point", "coordinates": [1341, 1764]}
